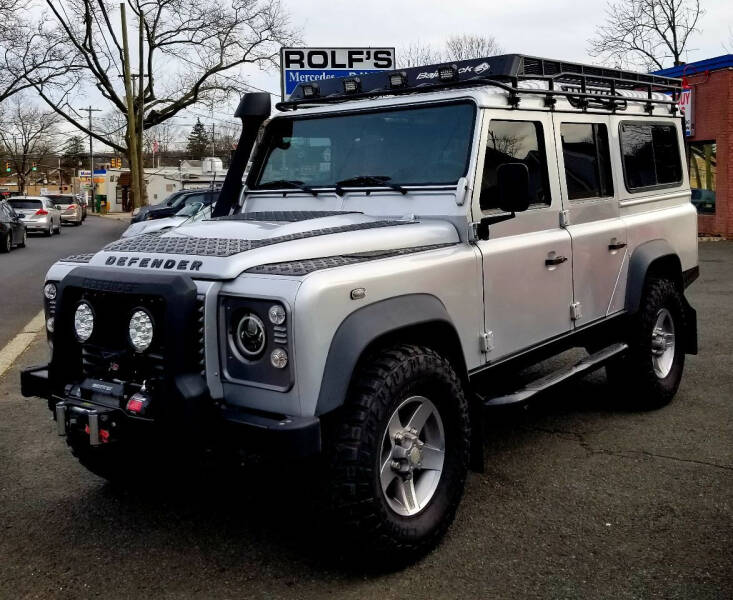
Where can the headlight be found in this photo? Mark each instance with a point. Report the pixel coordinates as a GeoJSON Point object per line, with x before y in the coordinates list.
{"type": "Point", "coordinates": [141, 330]}
{"type": "Point", "coordinates": [49, 290]}
{"type": "Point", "coordinates": [83, 322]}
{"type": "Point", "coordinates": [250, 337]}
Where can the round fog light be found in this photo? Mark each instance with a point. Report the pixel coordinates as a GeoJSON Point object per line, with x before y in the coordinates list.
{"type": "Point", "coordinates": [141, 330]}
{"type": "Point", "coordinates": [49, 290]}
{"type": "Point", "coordinates": [279, 358]}
{"type": "Point", "coordinates": [50, 324]}
{"type": "Point", "coordinates": [276, 314]}
{"type": "Point", "coordinates": [83, 322]}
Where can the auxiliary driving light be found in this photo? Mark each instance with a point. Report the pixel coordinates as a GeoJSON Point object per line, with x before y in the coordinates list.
{"type": "Point", "coordinates": [141, 330]}
{"type": "Point", "coordinates": [397, 79]}
{"type": "Point", "coordinates": [447, 72]}
{"type": "Point", "coordinates": [352, 85]}
{"type": "Point", "coordinates": [50, 324]}
{"type": "Point", "coordinates": [279, 358]}
{"type": "Point", "coordinates": [310, 90]}
{"type": "Point", "coordinates": [276, 314]}
{"type": "Point", "coordinates": [49, 290]}
{"type": "Point", "coordinates": [83, 322]}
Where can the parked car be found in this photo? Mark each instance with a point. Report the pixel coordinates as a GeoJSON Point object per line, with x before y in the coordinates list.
{"type": "Point", "coordinates": [173, 203]}
{"type": "Point", "coordinates": [12, 229]}
{"type": "Point", "coordinates": [72, 211]}
{"type": "Point", "coordinates": [189, 214]}
{"type": "Point", "coordinates": [38, 213]}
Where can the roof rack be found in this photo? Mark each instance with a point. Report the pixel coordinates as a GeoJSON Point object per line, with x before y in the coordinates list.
{"type": "Point", "coordinates": [584, 86]}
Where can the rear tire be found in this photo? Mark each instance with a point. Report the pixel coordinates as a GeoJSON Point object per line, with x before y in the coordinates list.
{"type": "Point", "coordinates": [24, 239]}
{"type": "Point", "coordinates": [7, 243]}
{"type": "Point", "coordinates": [649, 375]}
{"type": "Point", "coordinates": [49, 232]}
{"type": "Point", "coordinates": [396, 517]}
{"type": "Point", "coordinates": [58, 229]}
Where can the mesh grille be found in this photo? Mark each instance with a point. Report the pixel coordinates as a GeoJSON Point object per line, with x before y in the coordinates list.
{"type": "Point", "coordinates": [223, 247]}
{"type": "Point", "coordinates": [78, 258]}
{"type": "Point", "coordinates": [304, 267]}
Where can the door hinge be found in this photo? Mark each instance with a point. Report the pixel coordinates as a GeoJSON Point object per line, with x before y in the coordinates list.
{"type": "Point", "coordinates": [576, 311]}
{"type": "Point", "coordinates": [564, 218]}
{"type": "Point", "coordinates": [486, 341]}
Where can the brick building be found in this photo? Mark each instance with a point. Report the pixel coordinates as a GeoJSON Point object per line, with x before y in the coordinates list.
{"type": "Point", "coordinates": [709, 120]}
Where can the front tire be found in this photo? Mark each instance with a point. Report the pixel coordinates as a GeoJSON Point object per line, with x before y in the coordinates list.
{"type": "Point", "coordinates": [399, 454]}
{"type": "Point", "coordinates": [7, 243]}
{"type": "Point", "coordinates": [650, 374]}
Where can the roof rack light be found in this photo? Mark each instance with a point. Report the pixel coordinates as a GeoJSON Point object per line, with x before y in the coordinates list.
{"type": "Point", "coordinates": [310, 90]}
{"type": "Point", "coordinates": [352, 85]}
{"type": "Point", "coordinates": [397, 79]}
{"type": "Point", "coordinates": [448, 72]}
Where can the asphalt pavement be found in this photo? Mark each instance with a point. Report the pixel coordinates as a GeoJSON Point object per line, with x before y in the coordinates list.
{"type": "Point", "coordinates": [23, 270]}
{"type": "Point", "coordinates": [579, 499]}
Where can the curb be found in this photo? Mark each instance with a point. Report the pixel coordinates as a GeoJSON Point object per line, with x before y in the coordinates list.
{"type": "Point", "coordinates": [114, 216]}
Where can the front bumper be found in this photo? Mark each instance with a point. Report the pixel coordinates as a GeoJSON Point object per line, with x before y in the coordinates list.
{"type": "Point", "coordinates": [103, 417]}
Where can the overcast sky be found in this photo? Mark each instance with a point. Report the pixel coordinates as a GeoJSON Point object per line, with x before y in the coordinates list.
{"type": "Point", "coordinates": [554, 29]}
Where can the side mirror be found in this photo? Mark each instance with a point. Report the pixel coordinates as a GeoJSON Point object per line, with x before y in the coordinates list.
{"type": "Point", "coordinates": [512, 182]}
{"type": "Point", "coordinates": [57, 206]}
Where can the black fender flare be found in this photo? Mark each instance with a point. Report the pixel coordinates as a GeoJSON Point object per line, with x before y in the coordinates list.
{"type": "Point", "coordinates": [363, 327]}
{"type": "Point", "coordinates": [641, 261]}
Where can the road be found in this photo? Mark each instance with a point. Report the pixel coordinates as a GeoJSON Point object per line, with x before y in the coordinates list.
{"type": "Point", "coordinates": [579, 499]}
{"type": "Point", "coordinates": [22, 271]}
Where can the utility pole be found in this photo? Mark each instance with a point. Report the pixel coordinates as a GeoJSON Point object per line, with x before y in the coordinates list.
{"type": "Point", "coordinates": [131, 125]}
{"type": "Point", "coordinates": [141, 90]}
{"type": "Point", "coordinates": [90, 110]}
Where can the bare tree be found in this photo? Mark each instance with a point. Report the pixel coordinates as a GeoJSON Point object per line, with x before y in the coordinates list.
{"type": "Point", "coordinates": [187, 48]}
{"type": "Point", "coordinates": [28, 51]}
{"type": "Point", "coordinates": [28, 136]}
{"type": "Point", "coordinates": [418, 54]}
{"type": "Point", "coordinates": [463, 47]}
{"type": "Point", "coordinates": [457, 47]}
{"type": "Point", "coordinates": [646, 33]}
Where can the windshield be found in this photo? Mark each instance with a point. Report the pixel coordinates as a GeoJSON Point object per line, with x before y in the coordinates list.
{"type": "Point", "coordinates": [190, 209]}
{"type": "Point", "coordinates": [411, 146]}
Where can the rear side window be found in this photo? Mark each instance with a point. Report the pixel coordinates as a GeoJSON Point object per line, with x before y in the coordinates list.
{"type": "Point", "coordinates": [587, 160]}
{"type": "Point", "coordinates": [27, 204]}
{"type": "Point", "coordinates": [511, 142]}
{"type": "Point", "coordinates": [651, 156]}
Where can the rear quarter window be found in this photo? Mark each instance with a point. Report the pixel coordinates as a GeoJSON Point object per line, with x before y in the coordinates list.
{"type": "Point", "coordinates": [651, 156]}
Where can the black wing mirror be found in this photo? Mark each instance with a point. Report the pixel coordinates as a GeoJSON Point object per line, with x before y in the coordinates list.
{"type": "Point", "coordinates": [512, 182]}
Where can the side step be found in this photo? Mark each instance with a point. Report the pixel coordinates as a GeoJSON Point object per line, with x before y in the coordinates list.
{"type": "Point", "coordinates": [585, 366]}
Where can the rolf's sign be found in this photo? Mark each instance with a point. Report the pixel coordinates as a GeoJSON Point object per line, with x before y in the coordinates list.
{"type": "Point", "coordinates": [300, 65]}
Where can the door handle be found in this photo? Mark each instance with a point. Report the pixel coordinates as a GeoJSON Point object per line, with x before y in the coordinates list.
{"type": "Point", "coordinates": [616, 245]}
{"type": "Point", "coordinates": [551, 262]}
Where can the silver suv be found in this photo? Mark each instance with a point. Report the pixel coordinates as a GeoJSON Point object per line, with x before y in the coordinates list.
{"type": "Point", "coordinates": [402, 242]}
{"type": "Point", "coordinates": [38, 213]}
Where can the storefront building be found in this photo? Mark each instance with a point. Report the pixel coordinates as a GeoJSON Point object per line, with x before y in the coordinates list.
{"type": "Point", "coordinates": [709, 122]}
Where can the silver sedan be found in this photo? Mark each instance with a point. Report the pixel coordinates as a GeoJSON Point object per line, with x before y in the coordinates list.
{"type": "Point", "coordinates": [38, 213]}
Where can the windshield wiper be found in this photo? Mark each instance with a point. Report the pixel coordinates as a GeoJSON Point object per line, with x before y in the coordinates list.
{"type": "Point", "coordinates": [288, 183]}
{"type": "Point", "coordinates": [371, 180]}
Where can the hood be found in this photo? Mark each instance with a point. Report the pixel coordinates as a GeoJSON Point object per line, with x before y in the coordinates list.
{"type": "Point", "coordinates": [224, 248]}
{"type": "Point", "coordinates": [151, 226]}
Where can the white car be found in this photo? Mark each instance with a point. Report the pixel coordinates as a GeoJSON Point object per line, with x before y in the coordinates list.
{"type": "Point", "coordinates": [189, 214]}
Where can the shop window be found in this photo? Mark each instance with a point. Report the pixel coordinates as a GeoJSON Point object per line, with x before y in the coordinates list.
{"type": "Point", "coordinates": [587, 161]}
{"type": "Point", "coordinates": [703, 165]}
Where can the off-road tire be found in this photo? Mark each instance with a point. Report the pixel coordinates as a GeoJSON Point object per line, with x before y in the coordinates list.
{"type": "Point", "coordinates": [7, 243]}
{"type": "Point", "coordinates": [376, 533]}
{"type": "Point", "coordinates": [633, 376]}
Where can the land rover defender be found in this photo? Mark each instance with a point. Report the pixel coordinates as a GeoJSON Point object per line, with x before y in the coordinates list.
{"type": "Point", "coordinates": [400, 239]}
